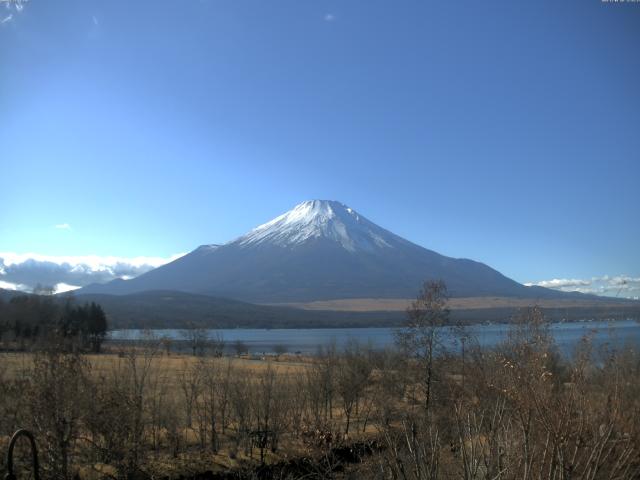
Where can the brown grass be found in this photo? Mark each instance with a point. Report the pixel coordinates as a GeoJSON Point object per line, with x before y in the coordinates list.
{"type": "Point", "coordinates": [15, 364]}
{"type": "Point", "coordinates": [401, 304]}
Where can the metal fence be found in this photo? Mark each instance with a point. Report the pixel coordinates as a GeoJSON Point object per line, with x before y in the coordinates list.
{"type": "Point", "coordinates": [34, 455]}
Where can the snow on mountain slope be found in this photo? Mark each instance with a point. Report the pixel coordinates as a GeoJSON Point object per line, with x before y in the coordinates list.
{"type": "Point", "coordinates": [320, 219]}
{"type": "Point", "coordinates": [319, 250]}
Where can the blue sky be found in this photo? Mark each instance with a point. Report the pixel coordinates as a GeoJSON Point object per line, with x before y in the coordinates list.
{"type": "Point", "coordinates": [507, 132]}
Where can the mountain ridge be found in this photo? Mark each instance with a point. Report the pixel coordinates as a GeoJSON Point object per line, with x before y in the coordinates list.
{"type": "Point", "coordinates": [320, 250]}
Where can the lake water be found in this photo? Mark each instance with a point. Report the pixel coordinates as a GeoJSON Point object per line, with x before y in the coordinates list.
{"type": "Point", "coordinates": [307, 341]}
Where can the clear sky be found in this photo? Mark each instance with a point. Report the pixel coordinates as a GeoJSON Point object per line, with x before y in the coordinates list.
{"type": "Point", "coordinates": [503, 131]}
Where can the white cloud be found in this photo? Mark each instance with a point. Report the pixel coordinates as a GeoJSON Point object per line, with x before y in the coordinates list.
{"type": "Point", "coordinates": [64, 287]}
{"type": "Point", "coordinates": [11, 6]}
{"type": "Point", "coordinates": [607, 285]}
{"type": "Point", "coordinates": [25, 271]}
{"type": "Point", "coordinates": [561, 283]}
{"type": "Point", "coordinates": [12, 286]}
{"type": "Point", "coordinates": [16, 4]}
{"type": "Point", "coordinates": [7, 285]}
{"type": "Point", "coordinates": [93, 262]}
{"type": "Point", "coordinates": [63, 226]}
{"type": "Point", "coordinates": [624, 280]}
{"type": "Point", "coordinates": [329, 17]}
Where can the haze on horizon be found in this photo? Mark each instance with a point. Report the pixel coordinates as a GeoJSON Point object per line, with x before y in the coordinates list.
{"type": "Point", "coordinates": [506, 133]}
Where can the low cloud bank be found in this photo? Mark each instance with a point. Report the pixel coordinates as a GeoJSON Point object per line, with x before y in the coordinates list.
{"type": "Point", "coordinates": [623, 286]}
{"type": "Point", "coordinates": [65, 273]}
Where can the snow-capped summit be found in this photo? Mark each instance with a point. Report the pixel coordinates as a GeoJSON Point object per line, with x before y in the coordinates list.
{"type": "Point", "coordinates": [320, 219]}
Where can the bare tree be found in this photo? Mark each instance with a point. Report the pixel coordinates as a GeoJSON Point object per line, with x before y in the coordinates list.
{"type": "Point", "coordinates": [212, 403]}
{"type": "Point", "coordinates": [157, 403]}
{"type": "Point", "coordinates": [118, 420]}
{"type": "Point", "coordinates": [240, 347]}
{"type": "Point", "coordinates": [240, 403]}
{"type": "Point", "coordinates": [270, 410]}
{"type": "Point", "coordinates": [197, 338]}
{"type": "Point", "coordinates": [280, 349]}
{"type": "Point", "coordinates": [190, 385]}
{"type": "Point", "coordinates": [353, 374]}
{"type": "Point", "coordinates": [421, 336]}
{"type": "Point", "coordinates": [57, 397]}
{"type": "Point", "coordinates": [217, 344]}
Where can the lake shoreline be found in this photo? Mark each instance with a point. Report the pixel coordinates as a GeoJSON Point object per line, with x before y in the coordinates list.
{"type": "Point", "coordinates": [310, 340]}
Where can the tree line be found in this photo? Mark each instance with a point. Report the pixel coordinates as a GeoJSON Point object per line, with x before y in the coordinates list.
{"type": "Point", "coordinates": [28, 321]}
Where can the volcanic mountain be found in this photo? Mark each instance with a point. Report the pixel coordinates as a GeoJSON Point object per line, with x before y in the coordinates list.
{"type": "Point", "coordinates": [320, 250]}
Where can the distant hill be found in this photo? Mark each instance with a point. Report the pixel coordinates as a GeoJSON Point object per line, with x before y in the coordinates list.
{"type": "Point", "coordinates": [321, 250]}
{"type": "Point", "coordinates": [7, 295]}
{"type": "Point", "coordinates": [172, 309]}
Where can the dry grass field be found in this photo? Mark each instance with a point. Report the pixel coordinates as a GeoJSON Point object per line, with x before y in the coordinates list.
{"type": "Point", "coordinates": [16, 364]}
{"type": "Point", "coordinates": [401, 304]}
{"type": "Point", "coordinates": [176, 406]}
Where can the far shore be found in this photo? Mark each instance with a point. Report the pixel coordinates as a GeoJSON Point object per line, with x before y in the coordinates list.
{"type": "Point", "coordinates": [462, 303]}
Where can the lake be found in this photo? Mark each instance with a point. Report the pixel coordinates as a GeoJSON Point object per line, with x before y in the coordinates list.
{"type": "Point", "coordinates": [307, 341]}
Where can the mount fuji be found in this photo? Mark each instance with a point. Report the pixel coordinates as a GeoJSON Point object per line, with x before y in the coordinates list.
{"type": "Point", "coordinates": [320, 250]}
